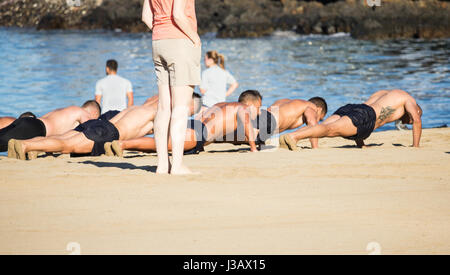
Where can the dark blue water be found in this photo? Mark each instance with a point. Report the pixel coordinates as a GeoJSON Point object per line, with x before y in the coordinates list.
{"type": "Point", "coordinates": [41, 71]}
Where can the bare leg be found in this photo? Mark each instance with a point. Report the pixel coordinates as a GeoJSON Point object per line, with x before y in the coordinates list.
{"type": "Point", "coordinates": [77, 144]}
{"type": "Point", "coordinates": [34, 154]}
{"type": "Point", "coordinates": [336, 126]}
{"type": "Point", "coordinates": [162, 121]}
{"type": "Point", "coordinates": [148, 145]}
{"type": "Point", "coordinates": [181, 98]}
{"type": "Point", "coordinates": [144, 144]}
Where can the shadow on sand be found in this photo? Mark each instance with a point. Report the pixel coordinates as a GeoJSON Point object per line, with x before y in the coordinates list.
{"type": "Point", "coordinates": [354, 146]}
{"type": "Point", "coordinates": [398, 145]}
{"type": "Point", "coordinates": [240, 150]}
{"type": "Point", "coordinates": [121, 165]}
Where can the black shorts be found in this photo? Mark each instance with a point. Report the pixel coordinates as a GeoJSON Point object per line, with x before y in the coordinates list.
{"type": "Point", "coordinates": [109, 115]}
{"type": "Point", "coordinates": [21, 129]}
{"type": "Point", "coordinates": [363, 118]}
{"type": "Point", "coordinates": [267, 125]}
{"type": "Point", "coordinates": [99, 131]}
{"type": "Point", "coordinates": [201, 135]}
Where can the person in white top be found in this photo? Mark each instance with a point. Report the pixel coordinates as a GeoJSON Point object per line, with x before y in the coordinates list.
{"type": "Point", "coordinates": [215, 80]}
{"type": "Point", "coordinates": [113, 91]}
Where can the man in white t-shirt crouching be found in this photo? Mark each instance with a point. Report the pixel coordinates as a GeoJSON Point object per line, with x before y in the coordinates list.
{"type": "Point", "coordinates": [113, 91]}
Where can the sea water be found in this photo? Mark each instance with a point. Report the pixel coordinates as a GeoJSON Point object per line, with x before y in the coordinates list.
{"type": "Point", "coordinates": [44, 70]}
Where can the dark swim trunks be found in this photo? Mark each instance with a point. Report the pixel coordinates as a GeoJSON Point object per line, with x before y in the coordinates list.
{"type": "Point", "coordinates": [201, 135]}
{"type": "Point", "coordinates": [99, 147]}
{"type": "Point", "coordinates": [267, 125]}
{"type": "Point", "coordinates": [21, 129]}
{"type": "Point", "coordinates": [99, 131]}
{"type": "Point", "coordinates": [109, 115]}
{"type": "Point", "coordinates": [363, 118]}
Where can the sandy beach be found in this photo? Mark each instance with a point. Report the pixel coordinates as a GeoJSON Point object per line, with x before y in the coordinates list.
{"type": "Point", "coordinates": [334, 200]}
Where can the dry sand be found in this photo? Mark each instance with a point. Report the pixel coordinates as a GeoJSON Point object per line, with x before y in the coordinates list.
{"type": "Point", "coordinates": [336, 200]}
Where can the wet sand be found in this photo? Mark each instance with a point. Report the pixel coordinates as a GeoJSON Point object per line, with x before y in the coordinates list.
{"type": "Point", "coordinates": [336, 199]}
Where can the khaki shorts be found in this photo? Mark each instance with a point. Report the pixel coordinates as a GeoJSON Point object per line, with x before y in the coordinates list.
{"type": "Point", "coordinates": [177, 62]}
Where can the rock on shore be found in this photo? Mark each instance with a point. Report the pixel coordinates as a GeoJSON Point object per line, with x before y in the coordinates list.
{"type": "Point", "coordinates": [245, 18]}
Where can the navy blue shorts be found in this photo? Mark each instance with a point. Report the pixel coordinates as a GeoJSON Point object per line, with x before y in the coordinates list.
{"type": "Point", "coordinates": [99, 131]}
{"type": "Point", "coordinates": [363, 118]}
{"type": "Point", "coordinates": [267, 125]}
{"type": "Point", "coordinates": [21, 129]}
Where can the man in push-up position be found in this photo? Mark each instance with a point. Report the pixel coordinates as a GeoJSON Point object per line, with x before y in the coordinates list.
{"type": "Point", "coordinates": [216, 123]}
{"type": "Point", "coordinates": [358, 121]}
{"type": "Point", "coordinates": [90, 137]}
{"type": "Point", "coordinates": [56, 122]}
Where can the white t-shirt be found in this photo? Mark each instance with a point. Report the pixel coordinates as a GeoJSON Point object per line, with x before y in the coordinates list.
{"type": "Point", "coordinates": [214, 82]}
{"type": "Point", "coordinates": [113, 90]}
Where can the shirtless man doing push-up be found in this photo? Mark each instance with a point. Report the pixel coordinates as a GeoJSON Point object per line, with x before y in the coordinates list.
{"type": "Point", "coordinates": [358, 121]}
{"type": "Point", "coordinates": [56, 122]}
{"type": "Point", "coordinates": [216, 123]}
{"type": "Point", "coordinates": [90, 137]}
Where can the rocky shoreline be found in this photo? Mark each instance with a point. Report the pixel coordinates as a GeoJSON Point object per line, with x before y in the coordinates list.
{"type": "Point", "coordinates": [245, 18]}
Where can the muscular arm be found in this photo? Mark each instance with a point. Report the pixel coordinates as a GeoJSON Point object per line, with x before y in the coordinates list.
{"type": "Point", "coordinates": [182, 21]}
{"type": "Point", "coordinates": [412, 109]}
{"type": "Point", "coordinates": [147, 14]}
{"type": "Point", "coordinates": [311, 120]}
{"type": "Point", "coordinates": [244, 116]}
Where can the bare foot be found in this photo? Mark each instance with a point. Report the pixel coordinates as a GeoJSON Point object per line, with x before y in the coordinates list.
{"type": "Point", "coordinates": [292, 145]}
{"type": "Point", "coordinates": [20, 150]}
{"type": "Point", "coordinates": [11, 150]}
{"type": "Point", "coordinates": [117, 148]}
{"type": "Point", "coordinates": [163, 169]}
{"type": "Point", "coordinates": [32, 155]}
{"type": "Point", "coordinates": [283, 143]}
{"type": "Point", "coordinates": [183, 170]}
{"type": "Point", "coordinates": [108, 150]}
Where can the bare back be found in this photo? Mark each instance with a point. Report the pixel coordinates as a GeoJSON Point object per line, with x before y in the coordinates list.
{"type": "Point", "coordinates": [390, 106]}
{"type": "Point", "coordinates": [63, 120]}
{"type": "Point", "coordinates": [6, 121]}
{"type": "Point", "coordinates": [135, 121]}
{"type": "Point", "coordinates": [222, 119]}
{"type": "Point", "coordinates": [290, 113]}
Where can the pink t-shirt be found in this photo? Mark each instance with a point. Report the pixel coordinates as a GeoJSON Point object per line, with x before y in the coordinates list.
{"type": "Point", "coordinates": [164, 26]}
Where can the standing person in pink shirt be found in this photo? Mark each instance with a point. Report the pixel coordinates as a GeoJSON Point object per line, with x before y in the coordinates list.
{"type": "Point", "coordinates": [176, 55]}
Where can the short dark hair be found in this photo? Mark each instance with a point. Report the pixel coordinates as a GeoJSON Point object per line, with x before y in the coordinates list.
{"type": "Point", "coordinates": [94, 104]}
{"type": "Point", "coordinates": [112, 65]}
{"type": "Point", "coordinates": [250, 95]}
{"type": "Point", "coordinates": [27, 114]}
{"type": "Point", "coordinates": [320, 102]}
